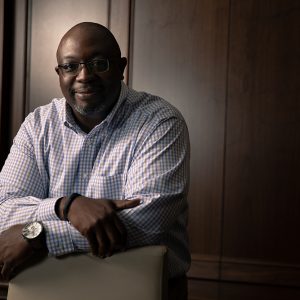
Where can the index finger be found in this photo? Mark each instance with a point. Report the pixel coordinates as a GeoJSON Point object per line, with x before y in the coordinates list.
{"type": "Point", "coordinates": [126, 204]}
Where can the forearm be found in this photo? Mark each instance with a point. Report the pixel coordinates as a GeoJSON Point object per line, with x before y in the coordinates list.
{"type": "Point", "coordinates": [24, 197]}
{"type": "Point", "coordinates": [61, 237]}
{"type": "Point", "coordinates": [25, 209]}
{"type": "Point", "coordinates": [153, 229]}
{"type": "Point", "coordinates": [147, 223]}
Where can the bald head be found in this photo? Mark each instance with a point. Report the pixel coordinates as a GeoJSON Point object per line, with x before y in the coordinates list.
{"type": "Point", "coordinates": [91, 34]}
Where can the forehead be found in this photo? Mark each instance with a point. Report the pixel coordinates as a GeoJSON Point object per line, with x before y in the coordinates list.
{"type": "Point", "coordinates": [82, 46]}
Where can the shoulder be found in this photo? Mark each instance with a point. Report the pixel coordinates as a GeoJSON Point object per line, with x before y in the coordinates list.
{"type": "Point", "coordinates": [49, 113]}
{"type": "Point", "coordinates": [42, 118]}
{"type": "Point", "coordinates": [151, 108]}
{"type": "Point", "coordinates": [144, 115]}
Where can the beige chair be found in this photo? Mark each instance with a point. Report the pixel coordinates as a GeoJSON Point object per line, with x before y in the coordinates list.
{"type": "Point", "coordinates": [136, 274]}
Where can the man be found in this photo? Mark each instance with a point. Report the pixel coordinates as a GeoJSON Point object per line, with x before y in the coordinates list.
{"type": "Point", "coordinates": [103, 169]}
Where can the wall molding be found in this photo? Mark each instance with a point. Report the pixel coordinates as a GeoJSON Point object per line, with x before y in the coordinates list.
{"type": "Point", "coordinates": [244, 270]}
{"type": "Point", "coordinates": [255, 271]}
{"type": "Point", "coordinates": [204, 267]}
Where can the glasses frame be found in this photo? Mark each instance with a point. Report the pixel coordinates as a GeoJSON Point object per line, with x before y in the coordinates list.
{"type": "Point", "coordinates": [87, 64]}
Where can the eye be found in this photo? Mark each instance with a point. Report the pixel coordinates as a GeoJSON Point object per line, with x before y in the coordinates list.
{"type": "Point", "coordinates": [100, 65]}
{"type": "Point", "coordinates": [70, 67]}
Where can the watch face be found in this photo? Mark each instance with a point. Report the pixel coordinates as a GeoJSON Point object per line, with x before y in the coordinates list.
{"type": "Point", "coordinates": [32, 230]}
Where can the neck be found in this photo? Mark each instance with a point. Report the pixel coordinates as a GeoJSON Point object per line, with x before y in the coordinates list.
{"type": "Point", "coordinates": [87, 123]}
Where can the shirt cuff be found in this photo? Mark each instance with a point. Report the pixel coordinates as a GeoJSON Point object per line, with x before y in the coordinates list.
{"type": "Point", "coordinates": [58, 238]}
{"type": "Point", "coordinates": [80, 243]}
{"type": "Point", "coordinates": [46, 210]}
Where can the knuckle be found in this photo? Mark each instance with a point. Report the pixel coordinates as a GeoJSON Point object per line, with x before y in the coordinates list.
{"type": "Point", "coordinates": [87, 231]}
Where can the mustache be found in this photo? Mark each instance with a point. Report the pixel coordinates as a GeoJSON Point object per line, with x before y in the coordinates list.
{"type": "Point", "coordinates": [86, 89]}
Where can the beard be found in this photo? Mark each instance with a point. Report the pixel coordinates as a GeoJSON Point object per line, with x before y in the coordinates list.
{"type": "Point", "coordinates": [89, 110]}
{"type": "Point", "coordinates": [92, 106]}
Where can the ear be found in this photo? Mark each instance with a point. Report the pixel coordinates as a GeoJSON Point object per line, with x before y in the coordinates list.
{"type": "Point", "coordinates": [122, 65]}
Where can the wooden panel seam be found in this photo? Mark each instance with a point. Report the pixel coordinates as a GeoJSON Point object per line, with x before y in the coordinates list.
{"type": "Point", "coordinates": [244, 270]}
{"type": "Point", "coordinates": [253, 271]}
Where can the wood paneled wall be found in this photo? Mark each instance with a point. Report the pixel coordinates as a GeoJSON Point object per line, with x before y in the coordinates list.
{"type": "Point", "coordinates": [232, 69]}
{"type": "Point", "coordinates": [180, 53]}
{"type": "Point", "coordinates": [262, 191]}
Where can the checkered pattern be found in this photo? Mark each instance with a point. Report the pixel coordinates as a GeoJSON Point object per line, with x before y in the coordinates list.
{"type": "Point", "coordinates": [141, 150]}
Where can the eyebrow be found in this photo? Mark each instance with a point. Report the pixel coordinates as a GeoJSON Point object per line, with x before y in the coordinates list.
{"type": "Point", "coordinates": [96, 55]}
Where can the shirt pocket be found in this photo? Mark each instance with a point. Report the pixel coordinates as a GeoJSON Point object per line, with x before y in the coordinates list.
{"type": "Point", "coordinates": [108, 187]}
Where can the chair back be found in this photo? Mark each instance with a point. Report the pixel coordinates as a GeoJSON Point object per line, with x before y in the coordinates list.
{"type": "Point", "coordinates": [136, 274]}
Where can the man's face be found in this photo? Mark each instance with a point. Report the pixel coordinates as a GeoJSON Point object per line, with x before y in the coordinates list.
{"type": "Point", "coordinates": [90, 93]}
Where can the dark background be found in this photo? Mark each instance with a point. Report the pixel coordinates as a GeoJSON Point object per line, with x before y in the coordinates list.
{"type": "Point", "coordinates": [232, 69]}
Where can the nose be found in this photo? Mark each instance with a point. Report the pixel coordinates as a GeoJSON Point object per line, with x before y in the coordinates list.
{"type": "Point", "coordinates": [84, 74]}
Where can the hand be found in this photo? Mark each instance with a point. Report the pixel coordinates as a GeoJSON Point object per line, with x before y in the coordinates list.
{"type": "Point", "coordinates": [15, 252]}
{"type": "Point", "coordinates": [97, 220]}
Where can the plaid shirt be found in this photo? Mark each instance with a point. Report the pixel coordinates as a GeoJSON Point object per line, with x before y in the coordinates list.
{"type": "Point", "coordinates": [141, 150]}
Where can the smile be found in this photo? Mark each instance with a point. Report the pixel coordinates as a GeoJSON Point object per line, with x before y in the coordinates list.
{"type": "Point", "coordinates": [85, 92]}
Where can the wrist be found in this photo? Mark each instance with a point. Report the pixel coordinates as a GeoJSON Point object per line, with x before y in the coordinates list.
{"type": "Point", "coordinates": [59, 206]}
{"type": "Point", "coordinates": [34, 234]}
{"type": "Point", "coordinates": [40, 244]}
{"type": "Point", "coordinates": [66, 204]}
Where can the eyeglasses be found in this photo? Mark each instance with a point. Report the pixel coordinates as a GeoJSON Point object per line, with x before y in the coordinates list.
{"type": "Point", "coordinates": [93, 66]}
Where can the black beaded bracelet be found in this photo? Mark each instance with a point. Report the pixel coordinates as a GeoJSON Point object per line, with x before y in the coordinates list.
{"type": "Point", "coordinates": [68, 203]}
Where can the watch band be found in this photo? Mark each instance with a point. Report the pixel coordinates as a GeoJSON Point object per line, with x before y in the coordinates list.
{"type": "Point", "coordinates": [67, 206]}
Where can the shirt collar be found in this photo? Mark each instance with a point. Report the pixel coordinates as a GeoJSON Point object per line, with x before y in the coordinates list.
{"type": "Point", "coordinates": [121, 99]}
{"type": "Point", "coordinates": [68, 119]}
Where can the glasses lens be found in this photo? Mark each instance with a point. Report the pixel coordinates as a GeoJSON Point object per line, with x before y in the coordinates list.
{"type": "Point", "coordinates": [99, 66]}
{"type": "Point", "coordinates": [70, 68]}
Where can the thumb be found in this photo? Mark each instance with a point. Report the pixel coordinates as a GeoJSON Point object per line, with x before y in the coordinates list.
{"type": "Point", "coordinates": [125, 204]}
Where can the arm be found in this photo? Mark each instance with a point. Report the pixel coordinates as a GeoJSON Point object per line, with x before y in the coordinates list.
{"type": "Point", "coordinates": [159, 176]}
{"type": "Point", "coordinates": [23, 198]}
{"type": "Point", "coordinates": [16, 253]}
{"type": "Point", "coordinates": [23, 194]}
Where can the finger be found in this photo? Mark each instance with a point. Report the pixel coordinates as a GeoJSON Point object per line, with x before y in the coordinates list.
{"type": "Point", "coordinates": [91, 237]}
{"type": "Point", "coordinates": [7, 271]}
{"type": "Point", "coordinates": [125, 204]}
{"type": "Point", "coordinates": [102, 241]}
{"type": "Point", "coordinates": [115, 235]}
{"type": "Point", "coordinates": [113, 240]}
{"type": "Point", "coordinates": [122, 232]}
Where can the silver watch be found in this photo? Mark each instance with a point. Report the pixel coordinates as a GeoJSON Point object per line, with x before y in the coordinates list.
{"type": "Point", "coordinates": [32, 230]}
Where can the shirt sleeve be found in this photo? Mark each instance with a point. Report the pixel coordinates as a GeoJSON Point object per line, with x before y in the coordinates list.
{"type": "Point", "coordinates": [23, 196]}
{"type": "Point", "coordinates": [159, 176]}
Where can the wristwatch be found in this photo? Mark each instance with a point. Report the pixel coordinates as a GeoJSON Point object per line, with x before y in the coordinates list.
{"type": "Point", "coordinates": [34, 233]}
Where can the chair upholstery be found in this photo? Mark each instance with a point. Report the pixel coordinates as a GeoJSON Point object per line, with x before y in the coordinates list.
{"type": "Point", "coordinates": [136, 274]}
